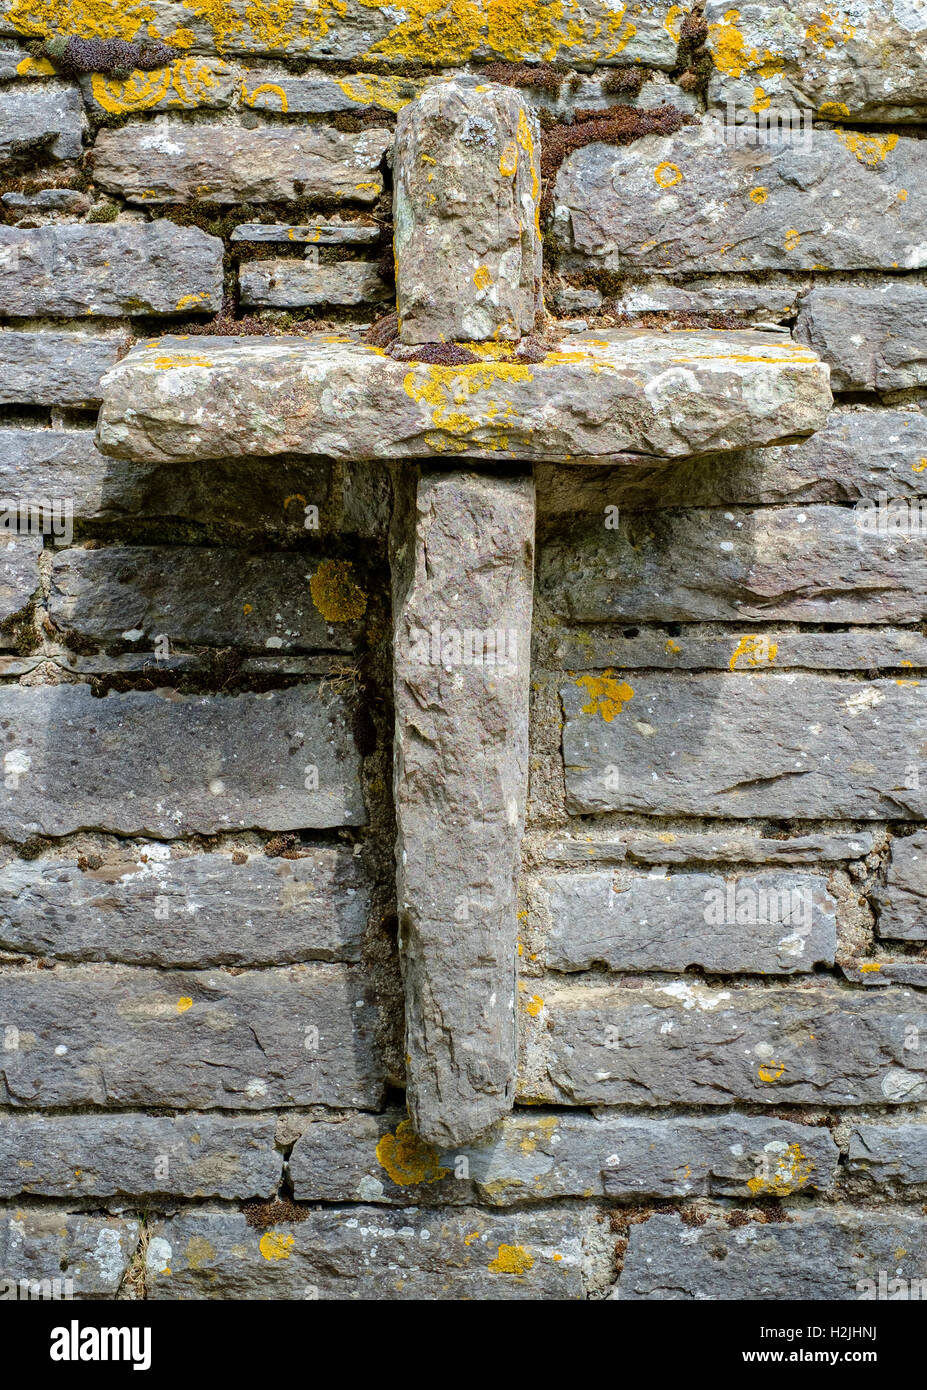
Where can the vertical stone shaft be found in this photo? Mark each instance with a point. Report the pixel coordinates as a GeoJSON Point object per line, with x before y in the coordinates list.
{"type": "Point", "coordinates": [467, 240]}
{"type": "Point", "coordinates": [462, 651]}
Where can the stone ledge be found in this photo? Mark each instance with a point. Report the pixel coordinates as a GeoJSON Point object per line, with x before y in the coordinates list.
{"type": "Point", "coordinates": [595, 400]}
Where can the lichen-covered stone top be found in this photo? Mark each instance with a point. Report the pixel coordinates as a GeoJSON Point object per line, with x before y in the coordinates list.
{"type": "Point", "coordinates": [595, 399]}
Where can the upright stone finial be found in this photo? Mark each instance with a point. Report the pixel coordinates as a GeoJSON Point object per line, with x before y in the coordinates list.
{"type": "Point", "coordinates": [467, 239]}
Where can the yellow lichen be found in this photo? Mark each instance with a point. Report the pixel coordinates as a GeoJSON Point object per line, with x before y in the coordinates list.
{"type": "Point", "coordinates": [608, 696]}
{"type": "Point", "coordinates": [753, 650]}
{"type": "Point", "coordinates": [731, 55]}
{"type": "Point", "coordinates": [870, 150]}
{"type": "Point", "coordinates": [481, 277]}
{"type": "Point", "coordinates": [534, 1005]}
{"type": "Point", "coordinates": [508, 160]}
{"type": "Point", "coordinates": [408, 1159]}
{"type": "Point", "coordinates": [275, 1246]}
{"type": "Point", "coordinates": [667, 175]}
{"type": "Point", "coordinates": [790, 1173]}
{"type": "Point", "coordinates": [184, 1004]}
{"type": "Point", "coordinates": [511, 1259]}
{"type": "Point", "coordinates": [771, 1071]}
{"type": "Point", "coordinates": [336, 594]}
{"type": "Point", "coordinates": [759, 194]}
{"type": "Point", "coordinates": [187, 82]}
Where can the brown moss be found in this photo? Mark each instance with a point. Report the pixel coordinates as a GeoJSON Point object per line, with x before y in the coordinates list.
{"type": "Point", "coordinates": [546, 77]}
{"type": "Point", "coordinates": [276, 1212]}
{"type": "Point", "coordinates": [74, 57]}
{"type": "Point", "coordinates": [383, 332]}
{"type": "Point", "coordinates": [436, 354]}
{"type": "Point", "coordinates": [629, 80]}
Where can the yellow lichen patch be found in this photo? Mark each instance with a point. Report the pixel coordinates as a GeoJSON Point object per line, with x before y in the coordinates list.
{"type": "Point", "coordinates": [534, 1005]}
{"type": "Point", "coordinates": [187, 82]}
{"type": "Point", "coordinates": [672, 646]}
{"type": "Point", "coordinates": [608, 696]}
{"type": "Point", "coordinates": [525, 138]}
{"type": "Point", "coordinates": [771, 1071]}
{"type": "Point", "coordinates": [165, 364]}
{"type": "Point", "coordinates": [731, 55]}
{"type": "Point", "coordinates": [789, 1173]}
{"type": "Point", "coordinates": [184, 1004]}
{"type": "Point", "coordinates": [199, 1252]}
{"type": "Point", "coordinates": [828, 31]}
{"type": "Point", "coordinates": [336, 594]}
{"type": "Point", "coordinates": [86, 19]}
{"type": "Point", "coordinates": [833, 110]}
{"type": "Point", "coordinates": [266, 96]}
{"type": "Point", "coordinates": [759, 194]}
{"type": "Point", "coordinates": [275, 1246]}
{"type": "Point", "coordinates": [190, 301]}
{"type": "Point", "coordinates": [673, 21]}
{"type": "Point", "coordinates": [508, 159]}
{"type": "Point", "coordinates": [180, 38]}
{"type": "Point", "coordinates": [35, 67]}
{"type": "Point", "coordinates": [761, 101]}
{"type": "Point", "coordinates": [481, 277]}
{"type": "Point", "coordinates": [870, 150]}
{"type": "Point", "coordinates": [919, 466]}
{"type": "Point", "coordinates": [469, 1239]}
{"type": "Point", "coordinates": [391, 93]}
{"type": "Point", "coordinates": [511, 1259]}
{"type": "Point", "coordinates": [407, 1159]}
{"type": "Point", "coordinates": [444, 388]}
{"type": "Point", "coordinates": [792, 238]}
{"type": "Point", "coordinates": [870, 967]}
{"type": "Point", "coordinates": [902, 195]}
{"type": "Point", "coordinates": [667, 175]}
{"type": "Point", "coordinates": [541, 1129]}
{"type": "Point", "coordinates": [753, 650]}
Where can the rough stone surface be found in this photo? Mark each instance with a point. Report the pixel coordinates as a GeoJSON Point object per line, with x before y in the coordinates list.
{"type": "Point", "coordinates": [168, 765]}
{"type": "Point", "coordinates": [770, 924]}
{"type": "Point", "coordinates": [860, 61]}
{"type": "Point", "coordinates": [540, 1156]}
{"type": "Point", "coordinates": [199, 596]}
{"type": "Point", "coordinates": [55, 368]}
{"type": "Point", "coordinates": [733, 845]}
{"type": "Point", "coordinates": [798, 745]}
{"type": "Point", "coordinates": [461, 760]}
{"type": "Point", "coordinates": [40, 123]}
{"type": "Point", "coordinates": [331, 232]}
{"type": "Point", "coordinates": [875, 338]}
{"type": "Point", "coordinates": [691, 201]}
{"type": "Point", "coordinates": [342, 1254]}
{"type": "Point", "coordinates": [901, 902]}
{"type": "Point", "coordinates": [115, 1037]}
{"type": "Point", "coordinates": [829, 1255]}
{"type": "Point", "coordinates": [45, 1244]}
{"type": "Point", "coordinates": [139, 1155]}
{"type": "Point", "coordinates": [175, 161]}
{"type": "Point", "coordinates": [19, 573]}
{"type": "Point", "coordinates": [694, 1045]}
{"type": "Point", "coordinates": [289, 284]}
{"type": "Point", "coordinates": [809, 564]}
{"type": "Point", "coordinates": [889, 1153]}
{"type": "Point", "coordinates": [155, 908]}
{"type": "Point", "coordinates": [658, 393]}
{"type": "Point", "coordinates": [187, 84]}
{"type": "Point", "coordinates": [467, 239]}
{"type": "Point", "coordinates": [123, 268]}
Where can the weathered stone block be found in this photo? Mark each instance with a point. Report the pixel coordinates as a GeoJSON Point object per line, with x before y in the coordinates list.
{"type": "Point", "coordinates": [19, 570]}
{"type": "Point", "coordinates": [332, 231]}
{"type": "Point", "coordinates": [113, 1036]}
{"type": "Point", "coordinates": [668, 394]}
{"type": "Point", "coordinates": [830, 1255]}
{"type": "Point", "coordinates": [773, 924]}
{"type": "Point", "coordinates": [55, 368]}
{"type": "Point", "coordinates": [124, 268]}
{"type": "Point", "coordinates": [207, 597]}
{"type": "Point", "coordinates": [864, 62]}
{"type": "Point", "coordinates": [467, 238]}
{"type": "Point", "coordinates": [173, 161]}
{"type": "Point", "coordinates": [889, 1153]}
{"type": "Point", "coordinates": [902, 902]}
{"type": "Point", "coordinates": [155, 908]}
{"type": "Point", "coordinates": [797, 745]}
{"type": "Point", "coordinates": [729, 844]}
{"type": "Point", "coordinates": [189, 83]}
{"type": "Point", "coordinates": [540, 1156]}
{"type": "Point", "coordinates": [45, 1244]}
{"type": "Point", "coordinates": [138, 1155]}
{"type": "Point", "coordinates": [290, 284]}
{"type": "Point", "coordinates": [461, 677]}
{"type": "Point", "coordinates": [691, 201]}
{"type": "Point", "coordinates": [874, 337]}
{"type": "Point", "coordinates": [694, 1045]}
{"type": "Point", "coordinates": [38, 123]}
{"type": "Point", "coordinates": [369, 1253]}
{"type": "Point", "coordinates": [168, 765]}
{"type": "Point", "coordinates": [810, 564]}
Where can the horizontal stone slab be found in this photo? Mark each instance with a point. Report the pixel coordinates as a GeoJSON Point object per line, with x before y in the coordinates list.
{"type": "Point", "coordinates": [188, 84]}
{"type": "Point", "coordinates": [857, 453]}
{"type": "Point", "coordinates": [206, 597]}
{"type": "Point", "coordinates": [689, 1044]}
{"type": "Point", "coordinates": [874, 337]}
{"type": "Point", "coordinates": [733, 845]}
{"type": "Point", "coordinates": [109, 270]}
{"type": "Point", "coordinates": [158, 763]}
{"type": "Point", "coordinates": [582, 31]}
{"type": "Point", "coordinates": [763, 302]}
{"type": "Point", "coordinates": [38, 123]}
{"type": "Point", "coordinates": [697, 649]}
{"type": "Point", "coordinates": [836, 1255]}
{"type": "Point", "coordinates": [876, 974]}
{"type": "Point", "coordinates": [369, 1253]}
{"type": "Point", "coordinates": [155, 908]}
{"type": "Point", "coordinates": [775, 923]}
{"type": "Point", "coordinates": [55, 368]}
{"type": "Point", "coordinates": [901, 902]}
{"type": "Point", "coordinates": [291, 284]}
{"type": "Point", "coordinates": [19, 571]}
{"type": "Point", "coordinates": [538, 1157]}
{"type": "Point", "coordinates": [113, 1036]}
{"type": "Point", "coordinates": [811, 564]}
{"type": "Point", "coordinates": [138, 1155]}
{"type": "Point", "coordinates": [43, 1245]}
{"type": "Point", "coordinates": [692, 201]}
{"type": "Point", "coordinates": [864, 62]}
{"type": "Point", "coordinates": [660, 393]}
{"type": "Point", "coordinates": [889, 1153]}
{"type": "Point", "coordinates": [328, 233]}
{"type": "Point", "coordinates": [253, 495]}
{"type": "Point", "coordinates": [176, 161]}
{"type": "Point", "coordinates": [804, 746]}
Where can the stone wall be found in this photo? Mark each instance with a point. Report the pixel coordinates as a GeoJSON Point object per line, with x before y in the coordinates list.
{"type": "Point", "coordinates": [329, 968]}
